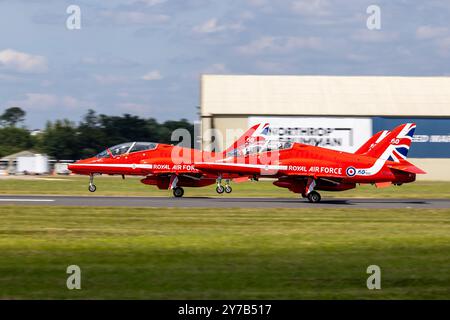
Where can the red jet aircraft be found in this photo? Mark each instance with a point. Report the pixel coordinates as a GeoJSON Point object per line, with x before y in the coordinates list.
{"type": "Point", "coordinates": [165, 166]}
{"type": "Point", "coordinates": [304, 168]}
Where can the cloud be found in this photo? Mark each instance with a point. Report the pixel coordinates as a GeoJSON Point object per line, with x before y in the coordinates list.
{"type": "Point", "coordinates": [148, 3]}
{"type": "Point", "coordinates": [354, 57]}
{"type": "Point", "coordinates": [5, 77]}
{"type": "Point", "coordinates": [257, 3]}
{"type": "Point", "coordinates": [430, 32]}
{"type": "Point", "coordinates": [443, 46]}
{"type": "Point", "coordinates": [311, 8]}
{"type": "Point", "coordinates": [440, 37]}
{"type": "Point", "coordinates": [374, 36]}
{"type": "Point", "coordinates": [271, 66]}
{"type": "Point", "coordinates": [280, 45]}
{"type": "Point", "coordinates": [133, 17]}
{"type": "Point", "coordinates": [263, 6]}
{"type": "Point", "coordinates": [152, 3]}
{"type": "Point", "coordinates": [22, 62]}
{"type": "Point", "coordinates": [213, 26]}
{"type": "Point", "coordinates": [44, 101]}
{"type": "Point", "coordinates": [216, 68]}
{"type": "Point", "coordinates": [152, 75]}
{"type": "Point", "coordinates": [110, 62]}
{"type": "Point", "coordinates": [134, 108]}
{"type": "Point", "coordinates": [109, 79]}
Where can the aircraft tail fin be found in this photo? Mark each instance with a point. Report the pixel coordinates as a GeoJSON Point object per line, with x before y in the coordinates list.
{"type": "Point", "coordinates": [395, 145]}
{"type": "Point", "coordinates": [372, 142]}
{"type": "Point", "coordinates": [253, 135]}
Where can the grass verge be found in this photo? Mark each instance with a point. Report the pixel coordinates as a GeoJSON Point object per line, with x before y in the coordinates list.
{"type": "Point", "coordinates": [174, 253]}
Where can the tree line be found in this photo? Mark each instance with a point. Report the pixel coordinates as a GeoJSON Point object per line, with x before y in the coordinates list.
{"type": "Point", "coordinates": [68, 140]}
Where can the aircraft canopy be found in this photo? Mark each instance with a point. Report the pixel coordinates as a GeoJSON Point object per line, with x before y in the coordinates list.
{"type": "Point", "coordinates": [259, 147]}
{"type": "Point", "coordinates": [127, 147]}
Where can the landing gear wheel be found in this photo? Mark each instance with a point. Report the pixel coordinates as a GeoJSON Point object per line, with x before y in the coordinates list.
{"type": "Point", "coordinates": [178, 192]}
{"type": "Point", "coordinates": [314, 197]}
{"type": "Point", "coordinates": [220, 189]}
{"type": "Point", "coordinates": [228, 189]}
{"type": "Point", "coordinates": [92, 188]}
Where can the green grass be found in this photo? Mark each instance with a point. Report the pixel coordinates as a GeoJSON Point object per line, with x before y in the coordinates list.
{"type": "Point", "coordinates": [115, 186]}
{"type": "Point", "coordinates": [148, 253]}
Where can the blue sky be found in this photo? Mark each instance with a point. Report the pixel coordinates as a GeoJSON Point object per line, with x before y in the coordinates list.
{"type": "Point", "coordinates": [145, 57]}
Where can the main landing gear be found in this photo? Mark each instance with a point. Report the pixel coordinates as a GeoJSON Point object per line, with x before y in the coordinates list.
{"type": "Point", "coordinates": [313, 196]}
{"type": "Point", "coordinates": [220, 189]}
{"type": "Point", "coordinates": [178, 192]}
{"type": "Point", "coordinates": [92, 187]}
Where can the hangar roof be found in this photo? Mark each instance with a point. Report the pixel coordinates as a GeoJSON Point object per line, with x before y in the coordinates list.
{"type": "Point", "coordinates": [14, 156]}
{"type": "Point", "coordinates": [325, 95]}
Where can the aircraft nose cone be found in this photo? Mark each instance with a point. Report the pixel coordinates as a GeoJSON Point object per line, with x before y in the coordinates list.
{"type": "Point", "coordinates": [79, 166]}
{"type": "Point", "coordinates": [73, 167]}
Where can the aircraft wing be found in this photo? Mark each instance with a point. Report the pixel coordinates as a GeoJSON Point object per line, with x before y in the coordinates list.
{"type": "Point", "coordinates": [245, 169]}
{"type": "Point", "coordinates": [221, 167]}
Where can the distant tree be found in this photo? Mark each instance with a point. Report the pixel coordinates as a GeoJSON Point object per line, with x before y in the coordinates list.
{"type": "Point", "coordinates": [91, 137]}
{"type": "Point", "coordinates": [60, 140]}
{"type": "Point", "coordinates": [13, 140]}
{"type": "Point", "coordinates": [170, 126]}
{"type": "Point", "coordinates": [12, 116]}
{"type": "Point", "coordinates": [153, 129]}
{"type": "Point", "coordinates": [63, 139]}
{"type": "Point", "coordinates": [125, 128]}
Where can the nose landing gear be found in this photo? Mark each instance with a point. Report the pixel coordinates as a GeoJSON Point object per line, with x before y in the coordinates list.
{"type": "Point", "coordinates": [92, 187]}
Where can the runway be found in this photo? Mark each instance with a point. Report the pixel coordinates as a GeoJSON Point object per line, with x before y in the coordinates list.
{"type": "Point", "coordinates": [223, 202]}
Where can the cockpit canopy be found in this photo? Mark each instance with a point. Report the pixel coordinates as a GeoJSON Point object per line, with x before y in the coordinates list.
{"type": "Point", "coordinates": [127, 147]}
{"type": "Point", "coordinates": [264, 146]}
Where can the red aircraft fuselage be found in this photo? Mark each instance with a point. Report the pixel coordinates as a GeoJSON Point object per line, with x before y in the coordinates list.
{"type": "Point", "coordinates": [301, 160]}
{"type": "Point", "coordinates": [300, 168]}
{"type": "Point", "coordinates": [303, 168]}
{"type": "Point", "coordinates": [162, 165]}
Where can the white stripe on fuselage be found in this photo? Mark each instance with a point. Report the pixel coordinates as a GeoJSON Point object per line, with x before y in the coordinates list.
{"type": "Point", "coordinates": [253, 166]}
{"type": "Point", "coordinates": [116, 165]}
{"type": "Point", "coordinates": [378, 165]}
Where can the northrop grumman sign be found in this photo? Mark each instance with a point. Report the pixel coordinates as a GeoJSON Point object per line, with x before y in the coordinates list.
{"type": "Point", "coordinates": [344, 134]}
{"type": "Point", "coordinates": [324, 137]}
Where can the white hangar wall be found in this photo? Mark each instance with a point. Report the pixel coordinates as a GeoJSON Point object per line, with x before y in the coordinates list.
{"type": "Point", "coordinates": [234, 102]}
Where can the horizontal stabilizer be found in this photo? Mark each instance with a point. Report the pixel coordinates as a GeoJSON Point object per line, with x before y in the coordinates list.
{"type": "Point", "coordinates": [407, 167]}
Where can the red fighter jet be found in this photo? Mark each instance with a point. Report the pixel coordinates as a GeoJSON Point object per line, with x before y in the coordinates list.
{"type": "Point", "coordinates": [304, 169]}
{"type": "Point", "coordinates": [162, 165]}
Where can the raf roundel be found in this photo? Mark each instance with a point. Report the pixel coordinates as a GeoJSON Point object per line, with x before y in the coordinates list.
{"type": "Point", "coordinates": [350, 171]}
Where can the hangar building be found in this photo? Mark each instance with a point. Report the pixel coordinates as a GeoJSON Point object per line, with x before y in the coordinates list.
{"type": "Point", "coordinates": [338, 112]}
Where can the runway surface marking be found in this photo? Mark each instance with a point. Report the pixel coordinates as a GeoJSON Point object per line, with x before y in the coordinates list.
{"type": "Point", "coordinates": [225, 202]}
{"type": "Point", "coordinates": [26, 200]}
